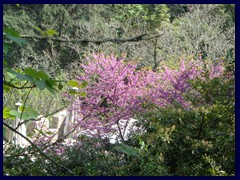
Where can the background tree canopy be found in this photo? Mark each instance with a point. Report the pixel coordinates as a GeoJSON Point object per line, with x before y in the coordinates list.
{"type": "Point", "coordinates": [46, 46]}
{"type": "Point", "coordinates": [187, 31]}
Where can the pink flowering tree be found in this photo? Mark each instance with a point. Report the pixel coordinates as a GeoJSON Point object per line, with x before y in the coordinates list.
{"type": "Point", "coordinates": [116, 91]}
{"type": "Point", "coordinates": [170, 87]}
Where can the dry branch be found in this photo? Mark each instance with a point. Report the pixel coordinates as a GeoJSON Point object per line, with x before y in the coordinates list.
{"type": "Point", "coordinates": [37, 148]}
{"type": "Point", "coordinates": [96, 41]}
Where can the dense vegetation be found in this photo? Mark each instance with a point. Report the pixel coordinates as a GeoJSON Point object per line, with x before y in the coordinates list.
{"type": "Point", "coordinates": [170, 67]}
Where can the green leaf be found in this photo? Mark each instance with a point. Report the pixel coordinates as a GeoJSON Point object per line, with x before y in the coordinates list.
{"type": "Point", "coordinates": [6, 88]}
{"type": "Point", "coordinates": [50, 87]}
{"type": "Point", "coordinates": [14, 36]}
{"type": "Point", "coordinates": [51, 32]}
{"type": "Point", "coordinates": [7, 114]}
{"type": "Point", "coordinates": [42, 75]}
{"type": "Point", "coordinates": [52, 82]}
{"type": "Point", "coordinates": [15, 113]}
{"type": "Point", "coordinates": [40, 84]}
{"type": "Point", "coordinates": [41, 31]}
{"type": "Point", "coordinates": [73, 83]}
{"type": "Point", "coordinates": [72, 92]}
{"type": "Point", "coordinates": [84, 84]}
{"type": "Point", "coordinates": [19, 41]}
{"type": "Point", "coordinates": [128, 150]}
{"type": "Point", "coordinates": [32, 113]}
{"type": "Point", "coordinates": [6, 47]}
{"type": "Point", "coordinates": [27, 114]}
{"type": "Point", "coordinates": [83, 94]}
{"type": "Point", "coordinates": [30, 72]}
{"type": "Point", "coordinates": [11, 32]}
{"type": "Point", "coordinates": [21, 76]}
{"type": "Point", "coordinates": [60, 86]}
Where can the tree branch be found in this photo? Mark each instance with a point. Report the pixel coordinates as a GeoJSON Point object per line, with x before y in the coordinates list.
{"type": "Point", "coordinates": [96, 41]}
{"type": "Point", "coordinates": [120, 132]}
{"type": "Point", "coordinates": [37, 148]}
{"type": "Point", "coordinates": [17, 87]}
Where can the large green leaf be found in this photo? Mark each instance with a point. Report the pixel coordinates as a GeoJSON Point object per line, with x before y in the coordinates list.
{"type": "Point", "coordinates": [14, 36]}
{"type": "Point", "coordinates": [32, 113]}
{"type": "Point", "coordinates": [30, 72]}
{"type": "Point", "coordinates": [6, 47]}
{"type": "Point", "coordinates": [28, 113]}
{"type": "Point", "coordinates": [11, 32]}
{"type": "Point", "coordinates": [15, 113]}
{"type": "Point", "coordinates": [128, 150]}
{"type": "Point", "coordinates": [42, 75]}
{"type": "Point", "coordinates": [21, 76]}
{"type": "Point", "coordinates": [49, 85]}
{"type": "Point", "coordinates": [17, 40]}
{"type": "Point", "coordinates": [40, 84]}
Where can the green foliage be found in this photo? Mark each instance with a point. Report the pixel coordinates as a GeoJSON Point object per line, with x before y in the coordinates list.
{"type": "Point", "coordinates": [50, 32]}
{"type": "Point", "coordinates": [128, 150]}
{"type": "Point", "coordinates": [202, 140]}
{"type": "Point", "coordinates": [154, 15]}
{"type": "Point", "coordinates": [14, 36]}
{"type": "Point", "coordinates": [7, 113]}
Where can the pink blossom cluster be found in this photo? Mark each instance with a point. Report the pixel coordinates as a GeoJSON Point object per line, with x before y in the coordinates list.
{"type": "Point", "coordinates": [116, 90]}
{"type": "Point", "coordinates": [172, 85]}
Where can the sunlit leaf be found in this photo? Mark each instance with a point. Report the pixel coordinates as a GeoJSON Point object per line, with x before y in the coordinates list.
{"type": "Point", "coordinates": [51, 32]}
{"type": "Point", "coordinates": [40, 30]}
{"type": "Point", "coordinates": [6, 88]}
{"type": "Point", "coordinates": [83, 94]}
{"type": "Point", "coordinates": [7, 113]}
{"type": "Point", "coordinates": [73, 83]}
{"type": "Point", "coordinates": [83, 85]}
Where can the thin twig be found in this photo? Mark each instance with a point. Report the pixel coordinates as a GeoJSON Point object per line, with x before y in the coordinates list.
{"type": "Point", "coordinates": [24, 104]}
{"type": "Point", "coordinates": [120, 132]}
{"type": "Point", "coordinates": [17, 87]}
{"type": "Point", "coordinates": [37, 148]}
{"type": "Point", "coordinates": [89, 40]}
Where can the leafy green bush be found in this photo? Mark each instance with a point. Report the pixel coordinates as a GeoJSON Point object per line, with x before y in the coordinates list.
{"type": "Point", "coordinates": [203, 139]}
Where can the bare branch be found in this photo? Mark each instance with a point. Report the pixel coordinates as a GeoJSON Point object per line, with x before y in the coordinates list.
{"type": "Point", "coordinates": [37, 148]}
{"type": "Point", "coordinates": [17, 87]}
{"type": "Point", "coordinates": [96, 41]}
